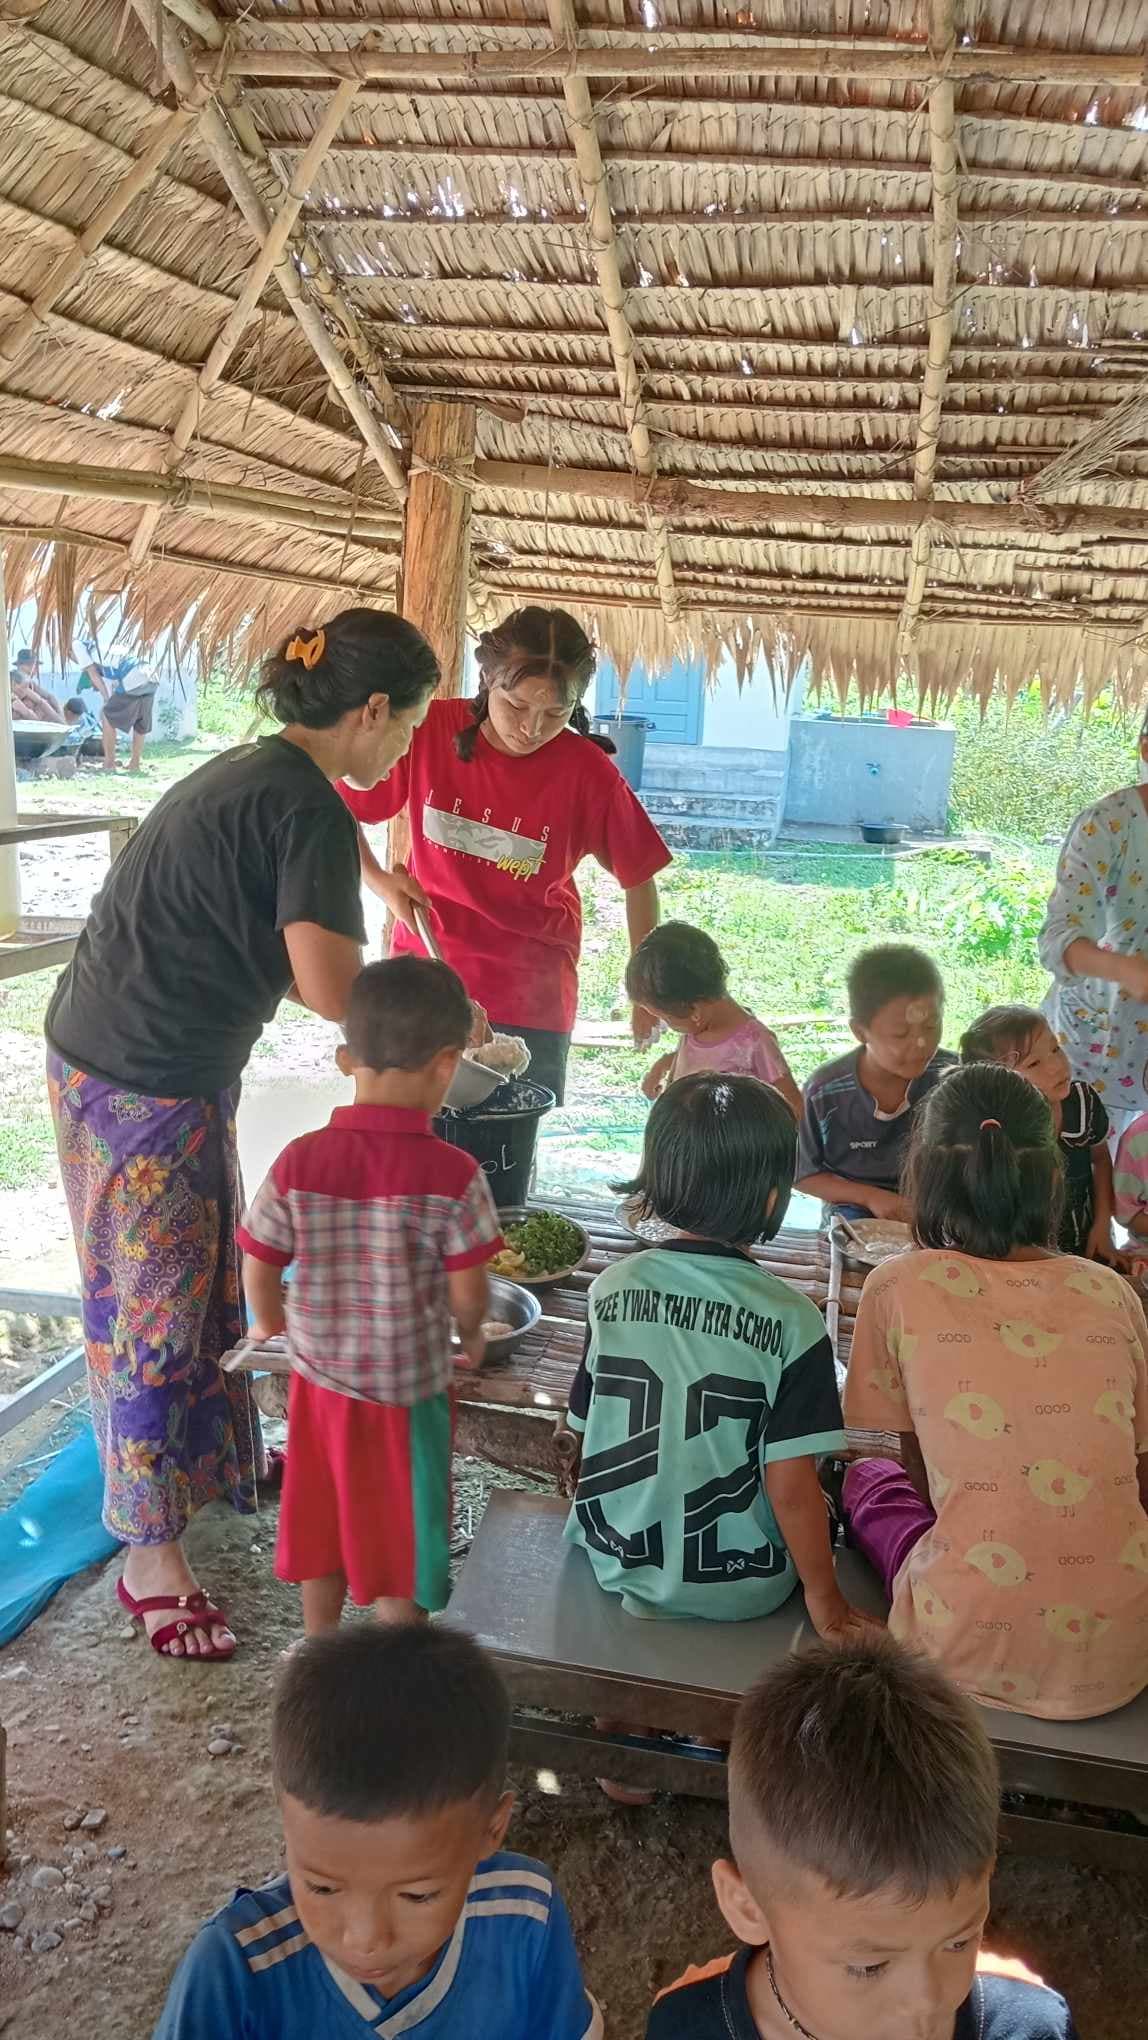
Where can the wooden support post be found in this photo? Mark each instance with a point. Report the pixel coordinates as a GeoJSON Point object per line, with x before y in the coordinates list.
{"type": "Point", "coordinates": [9, 854]}
{"type": "Point", "coordinates": [436, 553]}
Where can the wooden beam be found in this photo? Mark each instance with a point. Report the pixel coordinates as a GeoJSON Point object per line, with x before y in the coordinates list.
{"type": "Point", "coordinates": [676, 496]}
{"type": "Point", "coordinates": [436, 553]}
{"type": "Point", "coordinates": [363, 525]}
{"type": "Point", "coordinates": [582, 128]}
{"type": "Point", "coordinates": [942, 306]}
{"type": "Point", "coordinates": [770, 56]}
{"type": "Point", "coordinates": [235, 325]}
{"type": "Point", "coordinates": [67, 267]}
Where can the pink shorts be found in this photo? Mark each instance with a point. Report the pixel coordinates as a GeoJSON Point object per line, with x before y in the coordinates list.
{"type": "Point", "coordinates": [366, 1493]}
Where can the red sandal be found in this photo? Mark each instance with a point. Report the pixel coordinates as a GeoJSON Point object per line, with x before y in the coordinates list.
{"type": "Point", "coordinates": [195, 1612]}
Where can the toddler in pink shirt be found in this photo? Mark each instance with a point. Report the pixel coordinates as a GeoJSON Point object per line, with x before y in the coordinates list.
{"type": "Point", "coordinates": [679, 974]}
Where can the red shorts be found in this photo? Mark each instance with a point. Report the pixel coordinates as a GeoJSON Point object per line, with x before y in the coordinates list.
{"type": "Point", "coordinates": [366, 1493]}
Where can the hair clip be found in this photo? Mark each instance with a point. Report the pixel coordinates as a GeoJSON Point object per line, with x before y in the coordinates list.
{"type": "Point", "coordinates": [309, 650]}
{"type": "Point", "coordinates": [991, 1122]}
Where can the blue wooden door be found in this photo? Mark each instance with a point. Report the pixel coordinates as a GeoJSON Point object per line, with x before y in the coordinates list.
{"type": "Point", "coordinates": [672, 702]}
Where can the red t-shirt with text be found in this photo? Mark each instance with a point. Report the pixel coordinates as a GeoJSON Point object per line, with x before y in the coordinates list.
{"type": "Point", "coordinates": [496, 843]}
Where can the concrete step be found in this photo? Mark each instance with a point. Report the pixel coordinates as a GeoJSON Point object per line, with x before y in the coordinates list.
{"type": "Point", "coordinates": [717, 831]}
{"type": "Point", "coordinates": [693, 768]}
{"type": "Point", "coordinates": [764, 805]}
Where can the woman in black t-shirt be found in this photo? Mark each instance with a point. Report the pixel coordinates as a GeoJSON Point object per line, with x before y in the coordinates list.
{"type": "Point", "coordinates": [242, 885]}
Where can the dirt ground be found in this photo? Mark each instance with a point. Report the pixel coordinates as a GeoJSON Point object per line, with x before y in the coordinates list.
{"type": "Point", "coordinates": [96, 1722]}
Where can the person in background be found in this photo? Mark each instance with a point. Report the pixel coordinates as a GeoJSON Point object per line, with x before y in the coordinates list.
{"type": "Point", "coordinates": [707, 1391]}
{"type": "Point", "coordinates": [388, 1232]}
{"type": "Point", "coordinates": [1013, 1536]}
{"type": "Point", "coordinates": [84, 727]}
{"type": "Point", "coordinates": [507, 793]}
{"type": "Point", "coordinates": [678, 974]}
{"type": "Point", "coordinates": [400, 1911]}
{"type": "Point", "coordinates": [1130, 1178]}
{"type": "Point", "coordinates": [858, 1113]}
{"type": "Point", "coordinates": [128, 690]}
{"type": "Point", "coordinates": [241, 887]}
{"type": "Point", "coordinates": [29, 701]}
{"type": "Point", "coordinates": [1094, 942]}
{"type": "Point", "coordinates": [864, 1806]}
{"type": "Point", "coordinates": [1021, 1039]}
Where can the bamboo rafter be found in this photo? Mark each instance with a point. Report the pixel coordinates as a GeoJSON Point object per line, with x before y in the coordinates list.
{"type": "Point", "coordinates": [942, 306]}
{"type": "Point", "coordinates": [247, 170]}
{"type": "Point", "coordinates": [770, 56]}
{"type": "Point", "coordinates": [271, 253]}
{"type": "Point", "coordinates": [582, 128]}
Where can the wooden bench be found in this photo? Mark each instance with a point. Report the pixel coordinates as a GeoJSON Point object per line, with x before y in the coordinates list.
{"type": "Point", "coordinates": [563, 1645]}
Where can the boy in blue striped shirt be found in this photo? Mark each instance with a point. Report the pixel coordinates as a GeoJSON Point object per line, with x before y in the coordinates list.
{"type": "Point", "coordinates": [400, 1913]}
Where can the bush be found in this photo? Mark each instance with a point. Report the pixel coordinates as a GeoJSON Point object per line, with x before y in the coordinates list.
{"type": "Point", "coordinates": [1017, 775]}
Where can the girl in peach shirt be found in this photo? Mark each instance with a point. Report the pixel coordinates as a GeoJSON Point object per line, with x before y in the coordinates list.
{"type": "Point", "coordinates": [1014, 1539]}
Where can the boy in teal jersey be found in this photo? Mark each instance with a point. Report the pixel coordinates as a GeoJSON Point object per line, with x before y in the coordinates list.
{"type": "Point", "coordinates": [708, 1390]}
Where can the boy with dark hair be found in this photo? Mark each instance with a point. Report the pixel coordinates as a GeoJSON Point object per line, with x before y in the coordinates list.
{"type": "Point", "coordinates": [863, 1812]}
{"type": "Point", "coordinates": [400, 1911]}
{"type": "Point", "coordinates": [859, 1109]}
{"type": "Point", "coordinates": [388, 1231]}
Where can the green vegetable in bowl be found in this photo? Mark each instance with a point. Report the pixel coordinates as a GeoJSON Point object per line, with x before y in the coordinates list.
{"type": "Point", "coordinates": [546, 1242]}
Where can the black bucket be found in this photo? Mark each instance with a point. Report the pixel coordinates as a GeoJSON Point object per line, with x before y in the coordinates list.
{"type": "Point", "coordinates": [502, 1135]}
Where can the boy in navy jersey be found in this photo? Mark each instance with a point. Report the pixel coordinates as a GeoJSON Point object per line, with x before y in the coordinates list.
{"type": "Point", "coordinates": [863, 1808]}
{"type": "Point", "coordinates": [400, 1912]}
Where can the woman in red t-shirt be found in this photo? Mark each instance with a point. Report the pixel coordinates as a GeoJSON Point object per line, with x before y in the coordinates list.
{"type": "Point", "coordinates": [507, 794]}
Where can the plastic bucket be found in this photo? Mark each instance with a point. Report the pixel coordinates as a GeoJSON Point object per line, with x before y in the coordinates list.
{"type": "Point", "coordinates": [502, 1135]}
{"type": "Point", "coordinates": [629, 733]}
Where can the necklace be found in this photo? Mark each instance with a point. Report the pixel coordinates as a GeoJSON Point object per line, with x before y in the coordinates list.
{"type": "Point", "coordinates": [782, 2007]}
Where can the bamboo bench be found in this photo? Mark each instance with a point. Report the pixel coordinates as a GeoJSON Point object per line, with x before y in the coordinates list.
{"type": "Point", "coordinates": [566, 1649]}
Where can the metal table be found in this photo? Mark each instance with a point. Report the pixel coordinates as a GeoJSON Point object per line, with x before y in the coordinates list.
{"type": "Point", "coordinates": [509, 1414]}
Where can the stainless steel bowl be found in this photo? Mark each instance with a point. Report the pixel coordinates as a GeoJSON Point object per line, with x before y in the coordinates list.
{"type": "Point", "coordinates": [472, 1084]}
{"type": "Point", "coordinates": [515, 1306]}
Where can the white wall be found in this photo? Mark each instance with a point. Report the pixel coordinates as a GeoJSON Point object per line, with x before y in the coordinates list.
{"type": "Point", "coordinates": [750, 717]}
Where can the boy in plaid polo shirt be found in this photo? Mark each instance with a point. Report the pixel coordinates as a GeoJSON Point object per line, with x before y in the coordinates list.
{"type": "Point", "coordinates": [388, 1231]}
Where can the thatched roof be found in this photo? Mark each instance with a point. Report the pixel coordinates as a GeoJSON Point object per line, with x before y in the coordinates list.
{"type": "Point", "coordinates": [780, 338]}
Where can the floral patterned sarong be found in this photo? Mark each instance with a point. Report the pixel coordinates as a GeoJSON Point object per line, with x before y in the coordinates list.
{"type": "Point", "coordinates": [153, 1190]}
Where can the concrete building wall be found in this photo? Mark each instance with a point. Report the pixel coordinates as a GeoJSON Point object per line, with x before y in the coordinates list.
{"type": "Point", "coordinates": [846, 770]}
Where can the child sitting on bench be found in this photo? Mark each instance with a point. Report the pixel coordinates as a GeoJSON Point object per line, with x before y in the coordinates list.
{"type": "Point", "coordinates": [858, 1112]}
{"type": "Point", "coordinates": [389, 1231]}
{"type": "Point", "coordinates": [707, 1389]}
{"type": "Point", "coordinates": [1013, 1537]}
{"type": "Point", "coordinates": [400, 1911]}
{"type": "Point", "coordinates": [678, 973]}
{"type": "Point", "coordinates": [863, 1811]}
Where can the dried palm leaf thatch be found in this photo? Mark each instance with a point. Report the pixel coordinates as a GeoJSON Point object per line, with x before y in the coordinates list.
{"type": "Point", "coordinates": [777, 338]}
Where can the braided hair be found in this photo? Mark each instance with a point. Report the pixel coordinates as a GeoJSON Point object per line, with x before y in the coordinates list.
{"type": "Point", "coordinates": [534, 644]}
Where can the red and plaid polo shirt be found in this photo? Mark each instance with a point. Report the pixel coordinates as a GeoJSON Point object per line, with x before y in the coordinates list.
{"type": "Point", "coordinates": [374, 1212]}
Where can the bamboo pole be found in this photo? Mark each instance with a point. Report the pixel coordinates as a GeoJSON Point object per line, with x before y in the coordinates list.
{"type": "Point", "coordinates": [436, 555]}
{"type": "Point", "coordinates": [237, 321]}
{"type": "Point", "coordinates": [770, 56]}
{"type": "Point", "coordinates": [67, 267]}
{"type": "Point", "coordinates": [942, 303]}
{"type": "Point", "coordinates": [363, 525]}
{"type": "Point", "coordinates": [582, 129]}
{"type": "Point", "coordinates": [350, 218]}
{"type": "Point", "coordinates": [677, 497]}
{"type": "Point", "coordinates": [241, 154]}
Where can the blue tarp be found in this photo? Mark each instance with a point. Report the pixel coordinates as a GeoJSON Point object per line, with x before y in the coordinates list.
{"type": "Point", "coordinates": [52, 1532]}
